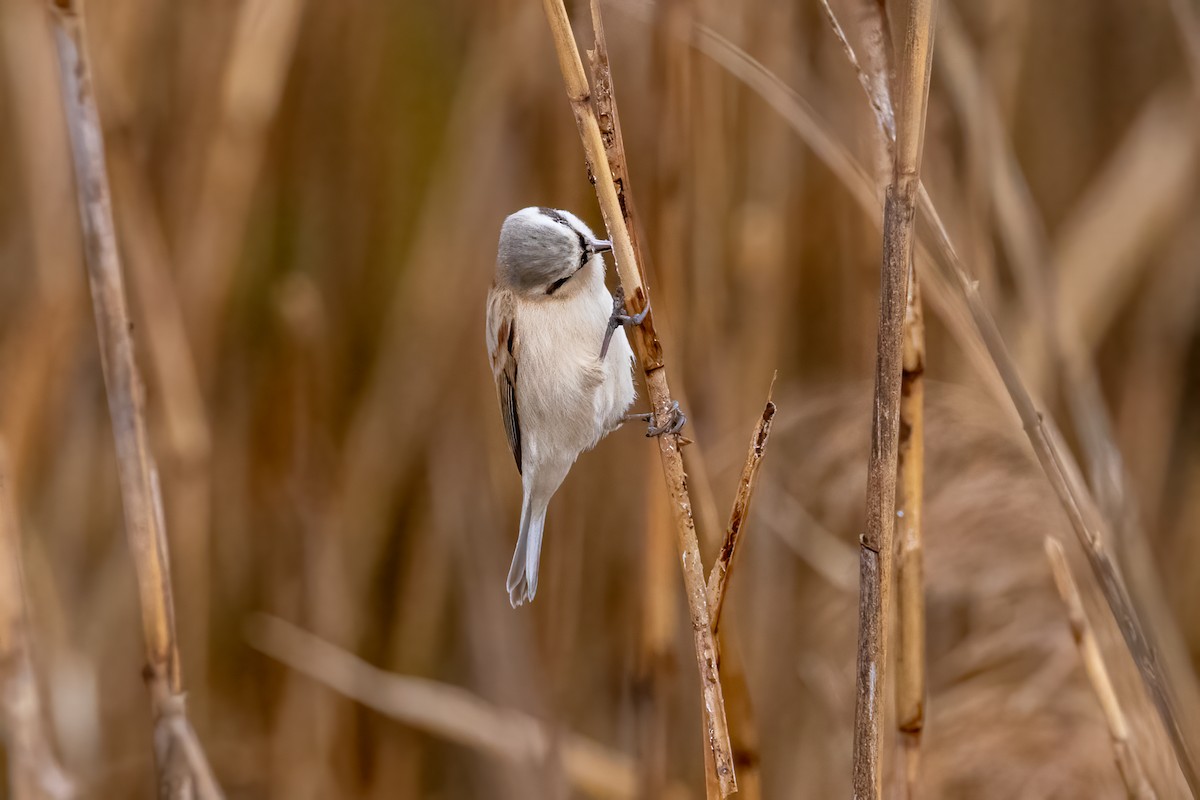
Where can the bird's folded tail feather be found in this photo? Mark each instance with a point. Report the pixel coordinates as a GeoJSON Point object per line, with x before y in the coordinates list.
{"type": "Point", "coordinates": [523, 574]}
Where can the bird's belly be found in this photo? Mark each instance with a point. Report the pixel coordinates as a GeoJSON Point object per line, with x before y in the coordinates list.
{"type": "Point", "coordinates": [568, 398]}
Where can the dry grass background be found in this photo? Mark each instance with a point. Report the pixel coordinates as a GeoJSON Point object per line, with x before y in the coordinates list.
{"type": "Point", "coordinates": [307, 198]}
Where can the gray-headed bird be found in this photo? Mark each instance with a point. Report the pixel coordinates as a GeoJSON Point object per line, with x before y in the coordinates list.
{"type": "Point", "coordinates": [561, 360]}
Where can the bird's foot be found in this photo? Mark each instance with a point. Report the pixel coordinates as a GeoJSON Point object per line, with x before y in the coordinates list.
{"type": "Point", "coordinates": [619, 318]}
{"type": "Point", "coordinates": [673, 424]}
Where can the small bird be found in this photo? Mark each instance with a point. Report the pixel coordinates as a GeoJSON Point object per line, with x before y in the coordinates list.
{"type": "Point", "coordinates": [561, 360]}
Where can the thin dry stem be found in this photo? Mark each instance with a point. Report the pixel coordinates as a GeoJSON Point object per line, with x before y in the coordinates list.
{"type": "Point", "coordinates": [875, 77]}
{"type": "Point", "coordinates": [910, 589]}
{"type": "Point", "coordinates": [33, 769]}
{"type": "Point", "coordinates": [135, 467]}
{"type": "Point", "coordinates": [743, 729]}
{"type": "Point", "coordinates": [650, 357]}
{"type": "Point", "coordinates": [1128, 765]}
{"type": "Point", "coordinates": [447, 711]}
{"type": "Point", "coordinates": [718, 576]}
{"type": "Point", "coordinates": [875, 557]}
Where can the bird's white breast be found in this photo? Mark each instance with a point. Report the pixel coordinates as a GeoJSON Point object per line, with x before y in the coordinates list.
{"type": "Point", "coordinates": [568, 399]}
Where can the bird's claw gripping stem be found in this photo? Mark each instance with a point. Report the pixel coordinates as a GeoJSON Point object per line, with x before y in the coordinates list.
{"type": "Point", "coordinates": [673, 424]}
{"type": "Point", "coordinates": [619, 318]}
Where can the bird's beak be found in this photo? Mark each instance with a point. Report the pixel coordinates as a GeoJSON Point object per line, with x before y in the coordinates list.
{"type": "Point", "coordinates": [601, 246]}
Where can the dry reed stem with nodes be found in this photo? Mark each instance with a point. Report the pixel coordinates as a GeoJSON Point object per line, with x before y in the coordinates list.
{"type": "Point", "coordinates": [183, 770]}
{"type": "Point", "coordinates": [1093, 663]}
{"type": "Point", "coordinates": [965, 311]}
{"type": "Point", "coordinates": [650, 357]}
{"type": "Point", "coordinates": [876, 543]}
{"type": "Point", "coordinates": [33, 768]}
{"type": "Point", "coordinates": [446, 711]}
{"type": "Point", "coordinates": [910, 466]}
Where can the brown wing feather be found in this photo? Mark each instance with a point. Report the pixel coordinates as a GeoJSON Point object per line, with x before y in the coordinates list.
{"type": "Point", "coordinates": [504, 347]}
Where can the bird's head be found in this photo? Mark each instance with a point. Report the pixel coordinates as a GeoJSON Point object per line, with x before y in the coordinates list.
{"type": "Point", "coordinates": [543, 250]}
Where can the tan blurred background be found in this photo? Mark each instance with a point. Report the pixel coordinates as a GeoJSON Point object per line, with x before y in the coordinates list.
{"type": "Point", "coordinates": [308, 197]}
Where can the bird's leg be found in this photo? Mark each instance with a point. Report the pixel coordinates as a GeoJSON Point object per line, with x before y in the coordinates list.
{"type": "Point", "coordinates": [619, 318]}
{"type": "Point", "coordinates": [646, 417]}
{"type": "Point", "coordinates": [673, 424]}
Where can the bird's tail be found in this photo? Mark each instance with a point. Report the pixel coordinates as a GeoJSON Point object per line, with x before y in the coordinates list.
{"type": "Point", "coordinates": [523, 574]}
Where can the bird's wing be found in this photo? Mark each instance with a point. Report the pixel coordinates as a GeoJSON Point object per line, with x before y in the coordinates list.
{"type": "Point", "coordinates": [504, 347]}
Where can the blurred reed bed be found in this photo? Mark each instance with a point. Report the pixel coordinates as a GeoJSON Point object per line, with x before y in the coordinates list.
{"type": "Point", "coordinates": [307, 198]}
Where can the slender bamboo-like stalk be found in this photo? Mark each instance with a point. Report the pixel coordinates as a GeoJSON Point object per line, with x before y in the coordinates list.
{"type": "Point", "coordinates": [910, 583]}
{"type": "Point", "coordinates": [447, 711]}
{"type": "Point", "coordinates": [650, 357]}
{"type": "Point", "coordinates": [177, 757]}
{"type": "Point", "coordinates": [718, 576]}
{"type": "Point", "coordinates": [1136, 785]}
{"type": "Point", "coordinates": [875, 557]}
{"type": "Point", "coordinates": [910, 578]}
{"type": "Point", "coordinates": [34, 771]}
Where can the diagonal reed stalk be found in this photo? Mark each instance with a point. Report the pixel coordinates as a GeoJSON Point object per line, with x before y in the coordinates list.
{"type": "Point", "coordinates": [182, 768]}
{"type": "Point", "coordinates": [1136, 785]}
{"type": "Point", "coordinates": [718, 576]}
{"type": "Point", "coordinates": [876, 543]}
{"type": "Point", "coordinates": [650, 357]}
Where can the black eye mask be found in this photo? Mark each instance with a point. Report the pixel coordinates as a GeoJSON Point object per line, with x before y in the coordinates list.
{"type": "Point", "coordinates": [583, 247]}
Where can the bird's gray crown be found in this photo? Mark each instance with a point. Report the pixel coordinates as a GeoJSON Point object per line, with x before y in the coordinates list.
{"type": "Point", "coordinates": [542, 248]}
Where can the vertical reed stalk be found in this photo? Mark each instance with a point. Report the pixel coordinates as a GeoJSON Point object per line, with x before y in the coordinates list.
{"type": "Point", "coordinates": [650, 357]}
{"type": "Point", "coordinates": [875, 557]}
{"type": "Point", "coordinates": [182, 769]}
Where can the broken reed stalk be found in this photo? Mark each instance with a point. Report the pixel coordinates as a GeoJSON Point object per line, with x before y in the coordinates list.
{"type": "Point", "coordinates": [718, 576]}
{"type": "Point", "coordinates": [650, 357]}
{"type": "Point", "coordinates": [876, 543]}
{"type": "Point", "coordinates": [450, 712]}
{"type": "Point", "coordinates": [33, 768]}
{"type": "Point", "coordinates": [910, 571]}
{"type": "Point", "coordinates": [175, 754]}
{"type": "Point", "coordinates": [1136, 785]}
{"type": "Point", "coordinates": [743, 731]}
